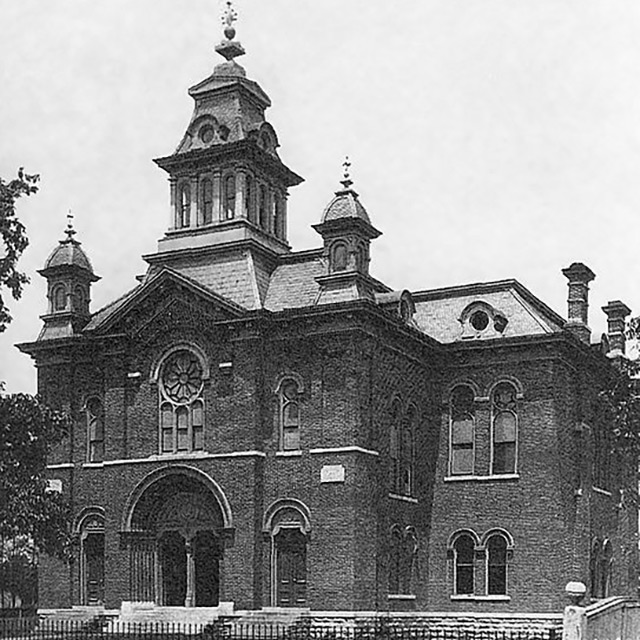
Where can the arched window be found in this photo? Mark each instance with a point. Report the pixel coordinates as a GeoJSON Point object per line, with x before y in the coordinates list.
{"type": "Point", "coordinates": [395, 559]}
{"type": "Point", "coordinates": [184, 207]}
{"type": "Point", "coordinates": [78, 299]}
{"type": "Point", "coordinates": [229, 197]}
{"type": "Point", "coordinates": [206, 200]}
{"type": "Point", "coordinates": [504, 429]}
{"type": "Point", "coordinates": [339, 257]}
{"type": "Point", "coordinates": [395, 444]}
{"type": "Point", "coordinates": [595, 566]}
{"type": "Point", "coordinates": [361, 258]}
{"type": "Point", "coordinates": [462, 436]}
{"type": "Point", "coordinates": [407, 453]}
{"type": "Point", "coordinates": [278, 219]}
{"type": "Point", "coordinates": [463, 569]}
{"type": "Point", "coordinates": [289, 397]}
{"type": "Point", "coordinates": [605, 569]}
{"type": "Point", "coordinates": [95, 430]}
{"type": "Point", "coordinates": [249, 199]}
{"type": "Point", "coordinates": [59, 298]}
{"type": "Point", "coordinates": [496, 565]}
{"type": "Point", "coordinates": [181, 403]}
{"type": "Point", "coordinates": [263, 206]}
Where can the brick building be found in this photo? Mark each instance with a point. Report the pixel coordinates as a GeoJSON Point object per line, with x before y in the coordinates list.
{"type": "Point", "coordinates": [269, 427]}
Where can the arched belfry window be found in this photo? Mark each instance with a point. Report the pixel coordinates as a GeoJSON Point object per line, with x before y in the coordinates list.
{"type": "Point", "coordinates": [59, 298]}
{"type": "Point", "coordinates": [463, 565]}
{"type": "Point", "coordinates": [229, 197]}
{"type": "Point", "coordinates": [95, 430]}
{"type": "Point", "coordinates": [249, 198]}
{"type": "Point", "coordinates": [79, 299]}
{"type": "Point", "coordinates": [504, 429]}
{"type": "Point", "coordinates": [462, 431]}
{"type": "Point", "coordinates": [183, 219]}
{"type": "Point", "coordinates": [181, 403]}
{"type": "Point", "coordinates": [339, 257]}
{"type": "Point", "coordinates": [206, 200]}
{"type": "Point", "coordinates": [263, 208]}
{"type": "Point", "coordinates": [289, 414]}
{"type": "Point", "coordinates": [497, 565]}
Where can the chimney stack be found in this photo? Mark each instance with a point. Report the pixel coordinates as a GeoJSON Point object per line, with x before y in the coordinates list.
{"type": "Point", "coordinates": [617, 313]}
{"type": "Point", "coordinates": [579, 276]}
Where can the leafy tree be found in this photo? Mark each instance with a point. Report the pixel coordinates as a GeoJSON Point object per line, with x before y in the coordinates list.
{"type": "Point", "coordinates": [13, 238]}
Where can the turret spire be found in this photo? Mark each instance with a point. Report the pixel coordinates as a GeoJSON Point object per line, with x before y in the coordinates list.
{"type": "Point", "coordinates": [230, 48]}
{"type": "Point", "coordinates": [346, 179]}
{"type": "Point", "coordinates": [70, 231]}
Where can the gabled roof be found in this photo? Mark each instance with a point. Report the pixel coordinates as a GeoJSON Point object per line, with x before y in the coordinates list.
{"type": "Point", "coordinates": [440, 313]}
{"type": "Point", "coordinates": [108, 316]}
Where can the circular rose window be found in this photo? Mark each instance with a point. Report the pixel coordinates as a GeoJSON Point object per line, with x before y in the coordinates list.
{"type": "Point", "coordinates": [207, 132]}
{"type": "Point", "coordinates": [181, 377]}
{"type": "Point", "coordinates": [479, 320]}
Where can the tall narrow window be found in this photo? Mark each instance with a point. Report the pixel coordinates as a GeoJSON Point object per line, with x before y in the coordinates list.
{"type": "Point", "coordinates": [395, 560]}
{"type": "Point", "coordinates": [278, 219]}
{"type": "Point", "coordinates": [462, 431]}
{"type": "Point", "coordinates": [497, 565]}
{"type": "Point", "coordinates": [229, 197]}
{"type": "Point", "coordinates": [289, 415]}
{"type": "Point", "coordinates": [249, 199]}
{"type": "Point", "coordinates": [605, 569]}
{"type": "Point", "coordinates": [59, 297]}
{"type": "Point", "coordinates": [505, 428]}
{"type": "Point", "coordinates": [395, 444]}
{"type": "Point", "coordinates": [95, 430]}
{"type": "Point", "coordinates": [595, 566]}
{"type": "Point", "coordinates": [79, 302]}
{"type": "Point", "coordinates": [263, 205]}
{"type": "Point", "coordinates": [184, 207]}
{"type": "Point", "coordinates": [463, 551]}
{"type": "Point", "coordinates": [339, 257]}
{"type": "Point", "coordinates": [181, 404]}
{"type": "Point", "coordinates": [407, 453]}
{"type": "Point", "coordinates": [206, 199]}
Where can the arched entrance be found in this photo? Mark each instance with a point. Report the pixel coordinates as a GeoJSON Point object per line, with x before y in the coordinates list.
{"type": "Point", "coordinates": [175, 525]}
{"type": "Point", "coordinates": [90, 528]}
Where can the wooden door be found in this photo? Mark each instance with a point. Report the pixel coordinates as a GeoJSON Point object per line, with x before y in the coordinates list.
{"type": "Point", "coordinates": [94, 568]}
{"type": "Point", "coordinates": [291, 569]}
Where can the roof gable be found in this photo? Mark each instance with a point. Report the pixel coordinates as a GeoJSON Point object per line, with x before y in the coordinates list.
{"type": "Point", "coordinates": [509, 309]}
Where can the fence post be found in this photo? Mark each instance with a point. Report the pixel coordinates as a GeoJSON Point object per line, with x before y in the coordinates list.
{"type": "Point", "coordinates": [574, 619]}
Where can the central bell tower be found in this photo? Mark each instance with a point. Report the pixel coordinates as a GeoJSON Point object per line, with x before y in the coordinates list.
{"type": "Point", "coordinates": [228, 186]}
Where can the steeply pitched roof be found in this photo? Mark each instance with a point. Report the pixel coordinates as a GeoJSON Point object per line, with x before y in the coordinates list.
{"type": "Point", "coordinates": [293, 284]}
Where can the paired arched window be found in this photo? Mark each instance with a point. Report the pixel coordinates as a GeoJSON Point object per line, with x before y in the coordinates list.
{"type": "Point", "coordinates": [229, 197]}
{"type": "Point", "coordinates": [463, 565]}
{"type": "Point", "coordinates": [504, 435]}
{"type": "Point", "coordinates": [206, 200]}
{"type": "Point", "coordinates": [95, 429]}
{"type": "Point", "coordinates": [59, 298]}
{"type": "Point", "coordinates": [496, 565]}
{"type": "Point", "coordinates": [462, 431]}
{"type": "Point", "coordinates": [184, 207]}
{"type": "Point", "coordinates": [181, 403]}
{"type": "Point", "coordinates": [289, 401]}
{"type": "Point", "coordinates": [475, 562]}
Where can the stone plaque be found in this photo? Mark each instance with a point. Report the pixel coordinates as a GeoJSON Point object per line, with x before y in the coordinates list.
{"type": "Point", "coordinates": [54, 485]}
{"type": "Point", "coordinates": [332, 473]}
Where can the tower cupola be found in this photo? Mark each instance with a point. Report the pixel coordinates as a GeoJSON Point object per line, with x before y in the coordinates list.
{"type": "Point", "coordinates": [69, 276]}
{"type": "Point", "coordinates": [227, 181]}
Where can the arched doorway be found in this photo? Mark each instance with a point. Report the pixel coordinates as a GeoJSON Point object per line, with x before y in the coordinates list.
{"type": "Point", "coordinates": [91, 532]}
{"type": "Point", "coordinates": [175, 526]}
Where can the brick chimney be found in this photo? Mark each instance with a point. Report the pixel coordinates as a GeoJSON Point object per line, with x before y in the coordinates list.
{"type": "Point", "coordinates": [579, 276]}
{"type": "Point", "coordinates": [617, 313]}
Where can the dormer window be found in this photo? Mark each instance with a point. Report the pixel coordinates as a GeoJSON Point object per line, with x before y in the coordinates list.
{"type": "Point", "coordinates": [207, 133]}
{"type": "Point", "coordinates": [481, 320]}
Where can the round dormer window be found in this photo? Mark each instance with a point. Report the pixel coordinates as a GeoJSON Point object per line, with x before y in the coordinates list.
{"type": "Point", "coordinates": [479, 320]}
{"type": "Point", "coordinates": [207, 132]}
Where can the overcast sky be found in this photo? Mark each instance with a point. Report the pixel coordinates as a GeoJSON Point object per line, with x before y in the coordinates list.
{"type": "Point", "coordinates": [490, 139]}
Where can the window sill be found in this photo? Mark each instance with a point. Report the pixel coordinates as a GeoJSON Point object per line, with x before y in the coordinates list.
{"type": "Point", "coordinates": [493, 478]}
{"type": "Point", "coordinates": [472, 597]}
{"type": "Point", "coordinates": [395, 496]}
{"type": "Point", "coordinates": [602, 492]}
{"type": "Point", "coordinates": [93, 465]}
{"type": "Point", "coordinates": [401, 596]}
{"type": "Point", "coordinates": [289, 454]}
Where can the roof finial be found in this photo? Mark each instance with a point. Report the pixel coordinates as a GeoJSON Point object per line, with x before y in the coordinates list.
{"type": "Point", "coordinates": [229, 17]}
{"type": "Point", "coordinates": [229, 48]}
{"type": "Point", "coordinates": [70, 231]}
{"type": "Point", "coordinates": [346, 180]}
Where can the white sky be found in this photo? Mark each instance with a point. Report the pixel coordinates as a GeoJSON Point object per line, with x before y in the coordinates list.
{"type": "Point", "coordinates": [490, 139]}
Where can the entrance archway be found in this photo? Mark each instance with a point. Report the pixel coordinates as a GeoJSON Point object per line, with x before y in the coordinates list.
{"type": "Point", "coordinates": [90, 528]}
{"type": "Point", "coordinates": [176, 523]}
